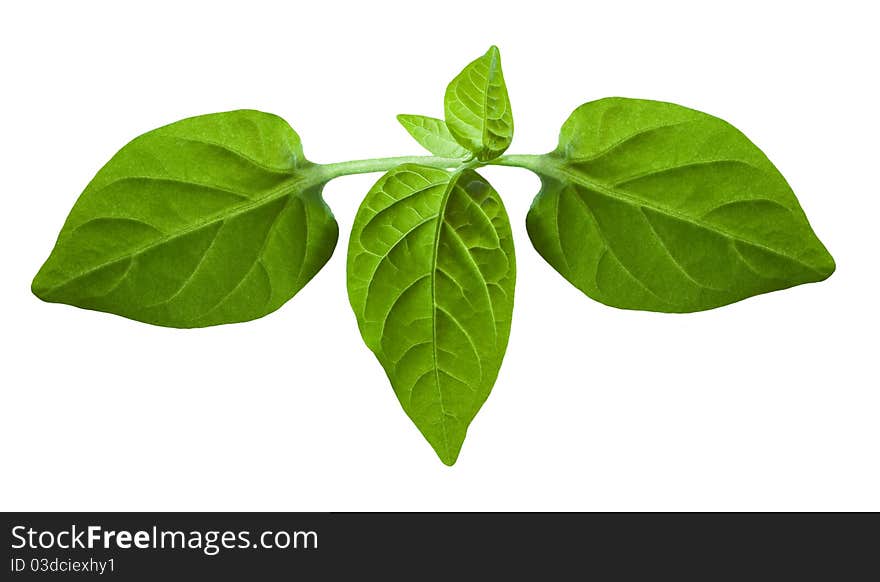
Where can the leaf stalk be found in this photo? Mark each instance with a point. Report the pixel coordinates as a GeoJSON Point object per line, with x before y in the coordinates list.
{"type": "Point", "coordinates": [327, 172]}
{"type": "Point", "coordinates": [335, 170]}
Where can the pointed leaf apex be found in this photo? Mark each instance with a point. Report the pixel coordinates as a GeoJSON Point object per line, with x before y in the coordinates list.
{"type": "Point", "coordinates": [449, 458]}
{"type": "Point", "coordinates": [477, 107]}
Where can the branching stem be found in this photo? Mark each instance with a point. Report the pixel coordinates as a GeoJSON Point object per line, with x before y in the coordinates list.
{"type": "Point", "coordinates": [329, 171]}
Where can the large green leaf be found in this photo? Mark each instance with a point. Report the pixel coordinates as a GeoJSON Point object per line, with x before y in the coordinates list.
{"type": "Point", "coordinates": [649, 205]}
{"type": "Point", "coordinates": [433, 135]}
{"type": "Point", "coordinates": [430, 277]}
{"type": "Point", "coordinates": [213, 219]}
{"type": "Point", "coordinates": [477, 107]}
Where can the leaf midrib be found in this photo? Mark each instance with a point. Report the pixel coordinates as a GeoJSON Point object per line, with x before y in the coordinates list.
{"type": "Point", "coordinates": [560, 171]}
{"type": "Point", "coordinates": [298, 182]}
{"type": "Point", "coordinates": [434, 307]}
{"type": "Point", "coordinates": [490, 72]}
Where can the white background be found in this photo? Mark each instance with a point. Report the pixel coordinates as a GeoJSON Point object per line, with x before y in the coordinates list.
{"type": "Point", "coordinates": [769, 404]}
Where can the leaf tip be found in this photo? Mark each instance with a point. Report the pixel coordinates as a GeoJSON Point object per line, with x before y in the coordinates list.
{"type": "Point", "coordinates": [40, 287]}
{"type": "Point", "coordinates": [449, 457]}
{"type": "Point", "coordinates": [827, 266]}
{"type": "Point", "coordinates": [447, 449]}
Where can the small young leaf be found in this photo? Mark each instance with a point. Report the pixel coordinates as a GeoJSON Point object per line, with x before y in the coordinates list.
{"type": "Point", "coordinates": [477, 107]}
{"type": "Point", "coordinates": [213, 219]}
{"type": "Point", "coordinates": [649, 205]}
{"type": "Point", "coordinates": [430, 277]}
{"type": "Point", "coordinates": [433, 135]}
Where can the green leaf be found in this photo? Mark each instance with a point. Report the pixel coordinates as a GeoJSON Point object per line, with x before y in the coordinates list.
{"type": "Point", "coordinates": [477, 107]}
{"type": "Point", "coordinates": [649, 205]}
{"type": "Point", "coordinates": [431, 274]}
{"type": "Point", "coordinates": [433, 135]}
{"type": "Point", "coordinates": [213, 219]}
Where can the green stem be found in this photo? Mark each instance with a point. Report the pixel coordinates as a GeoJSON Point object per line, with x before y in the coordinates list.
{"type": "Point", "coordinates": [330, 171]}
{"type": "Point", "coordinates": [327, 172]}
{"type": "Point", "coordinates": [528, 161]}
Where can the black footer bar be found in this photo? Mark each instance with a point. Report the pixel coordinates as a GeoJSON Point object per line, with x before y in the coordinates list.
{"type": "Point", "coordinates": [255, 546]}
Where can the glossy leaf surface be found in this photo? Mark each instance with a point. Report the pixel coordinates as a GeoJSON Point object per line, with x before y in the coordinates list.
{"type": "Point", "coordinates": [213, 219]}
{"type": "Point", "coordinates": [477, 107]}
{"type": "Point", "coordinates": [433, 135]}
{"type": "Point", "coordinates": [431, 278]}
{"type": "Point", "coordinates": [649, 205]}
